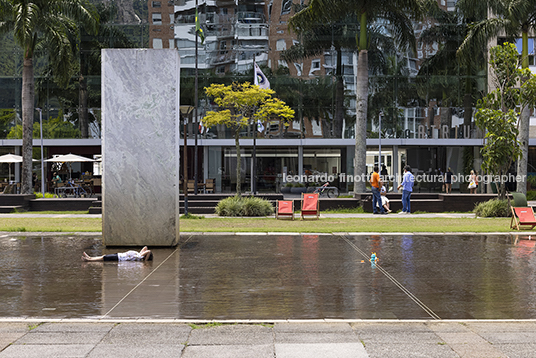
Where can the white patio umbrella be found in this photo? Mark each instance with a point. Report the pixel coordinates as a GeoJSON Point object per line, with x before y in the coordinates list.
{"type": "Point", "coordinates": [11, 158]}
{"type": "Point", "coordinates": [69, 158]}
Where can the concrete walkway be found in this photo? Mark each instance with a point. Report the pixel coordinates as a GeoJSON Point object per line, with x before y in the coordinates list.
{"type": "Point", "coordinates": [316, 339]}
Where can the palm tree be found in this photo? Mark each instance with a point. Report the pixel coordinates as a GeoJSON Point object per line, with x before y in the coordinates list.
{"type": "Point", "coordinates": [318, 38]}
{"type": "Point", "coordinates": [42, 25]}
{"type": "Point", "coordinates": [512, 18]}
{"type": "Point", "coordinates": [396, 14]}
{"type": "Point", "coordinates": [438, 72]}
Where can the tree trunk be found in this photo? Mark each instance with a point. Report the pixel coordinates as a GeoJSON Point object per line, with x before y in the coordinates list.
{"type": "Point", "coordinates": [360, 167]}
{"type": "Point", "coordinates": [524, 125]}
{"type": "Point", "coordinates": [360, 160]}
{"type": "Point", "coordinates": [522, 162]}
{"type": "Point", "coordinates": [82, 108]}
{"type": "Point", "coordinates": [238, 163]}
{"type": "Point", "coordinates": [28, 95]}
{"type": "Point", "coordinates": [339, 98]}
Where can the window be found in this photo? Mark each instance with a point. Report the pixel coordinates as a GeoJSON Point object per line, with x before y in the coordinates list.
{"type": "Point", "coordinates": [315, 66]}
{"type": "Point", "coordinates": [156, 4]}
{"type": "Point", "coordinates": [286, 6]}
{"type": "Point", "coordinates": [157, 43]}
{"type": "Point", "coordinates": [299, 68]}
{"type": "Point", "coordinates": [157, 18]}
{"type": "Point", "coordinates": [281, 45]}
{"type": "Point", "coordinates": [171, 18]}
{"type": "Point", "coordinates": [171, 43]}
{"type": "Point", "coordinates": [282, 63]}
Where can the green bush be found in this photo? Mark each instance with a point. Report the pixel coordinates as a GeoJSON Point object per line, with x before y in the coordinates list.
{"type": "Point", "coordinates": [492, 208]}
{"type": "Point", "coordinates": [244, 206]}
{"type": "Point", "coordinates": [47, 195]}
{"type": "Point", "coordinates": [531, 195]}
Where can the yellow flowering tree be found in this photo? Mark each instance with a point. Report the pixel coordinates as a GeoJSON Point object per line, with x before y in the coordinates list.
{"type": "Point", "coordinates": [241, 104]}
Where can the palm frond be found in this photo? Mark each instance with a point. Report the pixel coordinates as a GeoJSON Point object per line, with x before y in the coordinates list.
{"type": "Point", "coordinates": [478, 36]}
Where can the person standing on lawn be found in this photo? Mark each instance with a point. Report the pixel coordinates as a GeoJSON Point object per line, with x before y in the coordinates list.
{"type": "Point", "coordinates": [376, 184]}
{"type": "Point", "coordinates": [407, 189]}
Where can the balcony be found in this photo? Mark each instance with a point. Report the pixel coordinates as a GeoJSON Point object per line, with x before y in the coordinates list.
{"type": "Point", "coordinates": [251, 17]}
{"type": "Point", "coordinates": [258, 31]}
{"type": "Point", "coordinates": [221, 57]}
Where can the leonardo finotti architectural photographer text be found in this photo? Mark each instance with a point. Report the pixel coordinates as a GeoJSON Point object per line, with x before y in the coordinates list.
{"type": "Point", "coordinates": [424, 178]}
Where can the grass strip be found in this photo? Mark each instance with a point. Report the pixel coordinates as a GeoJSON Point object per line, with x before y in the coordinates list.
{"type": "Point", "coordinates": [326, 225]}
{"type": "Point", "coordinates": [51, 224]}
{"type": "Point", "coordinates": [323, 225]}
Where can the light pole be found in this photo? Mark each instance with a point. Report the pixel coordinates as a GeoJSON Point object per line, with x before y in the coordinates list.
{"type": "Point", "coordinates": [42, 159]}
{"type": "Point", "coordinates": [185, 111]}
{"type": "Point", "coordinates": [380, 144]}
{"type": "Point", "coordinates": [196, 125]}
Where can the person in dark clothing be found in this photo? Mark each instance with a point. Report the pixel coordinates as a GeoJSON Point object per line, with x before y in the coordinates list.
{"type": "Point", "coordinates": [448, 181]}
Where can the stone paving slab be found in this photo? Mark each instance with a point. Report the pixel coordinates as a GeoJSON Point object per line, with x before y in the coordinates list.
{"type": "Point", "coordinates": [136, 334]}
{"type": "Point", "coordinates": [339, 350]}
{"type": "Point", "coordinates": [46, 350]}
{"type": "Point", "coordinates": [229, 351]}
{"type": "Point", "coordinates": [139, 351]}
{"type": "Point", "coordinates": [232, 335]}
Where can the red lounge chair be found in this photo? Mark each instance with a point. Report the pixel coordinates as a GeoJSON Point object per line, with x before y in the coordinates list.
{"type": "Point", "coordinates": [284, 208]}
{"type": "Point", "coordinates": [522, 218]}
{"type": "Point", "coordinates": [310, 205]}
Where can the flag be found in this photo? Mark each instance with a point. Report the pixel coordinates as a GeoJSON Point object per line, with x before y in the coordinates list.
{"type": "Point", "coordinates": [198, 29]}
{"type": "Point", "coordinates": [202, 128]}
{"type": "Point", "coordinates": [260, 126]}
{"type": "Point", "coordinates": [259, 78]}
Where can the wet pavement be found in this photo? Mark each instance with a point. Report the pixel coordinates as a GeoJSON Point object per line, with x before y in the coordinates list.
{"type": "Point", "coordinates": [274, 277]}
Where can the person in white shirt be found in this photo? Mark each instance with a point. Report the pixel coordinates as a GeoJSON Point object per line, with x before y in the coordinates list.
{"type": "Point", "coordinates": [385, 200]}
{"type": "Point", "coordinates": [143, 255]}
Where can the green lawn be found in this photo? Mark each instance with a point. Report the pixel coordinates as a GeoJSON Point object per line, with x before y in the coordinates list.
{"type": "Point", "coordinates": [372, 224]}
{"type": "Point", "coordinates": [323, 225]}
{"type": "Point", "coordinates": [51, 224]}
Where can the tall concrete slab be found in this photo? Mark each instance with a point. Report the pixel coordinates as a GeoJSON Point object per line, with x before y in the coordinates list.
{"type": "Point", "coordinates": [140, 147]}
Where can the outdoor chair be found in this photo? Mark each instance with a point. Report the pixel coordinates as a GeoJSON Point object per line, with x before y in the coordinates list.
{"type": "Point", "coordinates": [522, 214]}
{"type": "Point", "coordinates": [284, 208]}
{"type": "Point", "coordinates": [190, 184]}
{"type": "Point", "coordinates": [210, 185]}
{"type": "Point", "coordinates": [310, 206]}
{"type": "Point", "coordinates": [522, 218]}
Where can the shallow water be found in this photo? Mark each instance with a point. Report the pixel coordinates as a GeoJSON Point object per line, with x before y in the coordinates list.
{"type": "Point", "coordinates": [275, 277]}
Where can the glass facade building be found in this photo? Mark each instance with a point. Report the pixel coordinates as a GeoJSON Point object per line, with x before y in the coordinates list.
{"type": "Point", "coordinates": [419, 110]}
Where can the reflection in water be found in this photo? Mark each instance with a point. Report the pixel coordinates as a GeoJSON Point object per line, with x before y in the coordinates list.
{"type": "Point", "coordinates": [275, 277]}
{"type": "Point", "coordinates": [40, 277]}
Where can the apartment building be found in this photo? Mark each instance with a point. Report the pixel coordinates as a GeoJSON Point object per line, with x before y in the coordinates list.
{"type": "Point", "coordinates": [428, 133]}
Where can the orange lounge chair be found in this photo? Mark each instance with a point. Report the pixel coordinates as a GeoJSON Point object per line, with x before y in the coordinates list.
{"type": "Point", "coordinates": [522, 217]}
{"type": "Point", "coordinates": [310, 205]}
{"type": "Point", "coordinates": [284, 208]}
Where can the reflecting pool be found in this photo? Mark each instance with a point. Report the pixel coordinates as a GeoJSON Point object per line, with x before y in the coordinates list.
{"type": "Point", "coordinates": [275, 277]}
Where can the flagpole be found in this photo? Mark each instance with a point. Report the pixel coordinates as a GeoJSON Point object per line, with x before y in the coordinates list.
{"type": "Point", "coordinates": [196, 125]}
{"type": "Point", "coordinates": [254, 158]}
